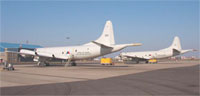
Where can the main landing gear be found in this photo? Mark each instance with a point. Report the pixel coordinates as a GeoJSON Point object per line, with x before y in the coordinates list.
{"type": "Point", "coordinates": [70, 63]}
{"type": "Point", "coordinates": [43, 63]}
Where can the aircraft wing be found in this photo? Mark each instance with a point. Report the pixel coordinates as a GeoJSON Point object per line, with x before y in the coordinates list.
{"type": "Point", "coordinates": [40, 54]}
{"type": "Point", "coordinates": [33, 53]}
{"type": "Point", "coordinates": [136, 57]}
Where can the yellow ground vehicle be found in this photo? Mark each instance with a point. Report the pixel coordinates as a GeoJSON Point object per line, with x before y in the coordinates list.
{"type": "Point", "coordinates": [106, 61]}
{"type": "Point", "coordinates": [152, 61]}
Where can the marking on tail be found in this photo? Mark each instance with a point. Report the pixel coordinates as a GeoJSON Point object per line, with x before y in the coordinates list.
{"type": "Point", "coordinates": [176, 44]}
{"type": "Point", "coordinates": [107, 37]}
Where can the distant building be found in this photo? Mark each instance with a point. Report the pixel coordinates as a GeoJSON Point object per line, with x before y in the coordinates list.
{"type": "Point", "coordinates": [13, 47]}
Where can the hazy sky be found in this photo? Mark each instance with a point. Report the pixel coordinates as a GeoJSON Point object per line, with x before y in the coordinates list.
{"type": "Point", "coordinates": [153, 23]}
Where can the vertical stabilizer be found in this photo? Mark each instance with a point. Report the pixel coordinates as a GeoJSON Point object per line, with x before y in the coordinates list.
{"type": "Point", "coordinates": [176, 44]}
{"type": "Point", "coordinates": [107, 37]}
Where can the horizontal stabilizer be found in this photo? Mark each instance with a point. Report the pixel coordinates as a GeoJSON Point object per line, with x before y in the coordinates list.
{"type": "Point", "coordinates": [133, 44]}
{"type": "Point", "coordinates": [136, 44]}
{"type": "Point", "coordinates": [189, 50]}
{"type": "Point", "coordinates": [101, 44]}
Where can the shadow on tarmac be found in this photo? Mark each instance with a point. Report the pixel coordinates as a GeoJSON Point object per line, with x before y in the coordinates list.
{"type": "Point", "coordinates": [172, 81]}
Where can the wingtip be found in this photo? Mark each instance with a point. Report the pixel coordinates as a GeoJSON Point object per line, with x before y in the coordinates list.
{"type": "Point", "coordinates": [194, 50]}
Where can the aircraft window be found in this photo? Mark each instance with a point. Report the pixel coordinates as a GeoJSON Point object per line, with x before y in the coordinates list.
{"type": "Point", "coordinates": [62, 52]}
{"type": "Point", "coordinates": [76, 50]}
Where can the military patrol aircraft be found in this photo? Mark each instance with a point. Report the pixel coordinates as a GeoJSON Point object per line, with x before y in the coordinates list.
{"type": "Point", "coordinates": [173, 50]}
{"type": "Point", "coordinates": [105, 44]}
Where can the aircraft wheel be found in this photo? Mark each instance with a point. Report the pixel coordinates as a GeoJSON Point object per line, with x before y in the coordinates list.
{"type": "Point", "coordinates": [46, 63]}
{"type": "Point", "coordinates": [40, 64]}
{"type": "Point", "coordinates": [73, 64]}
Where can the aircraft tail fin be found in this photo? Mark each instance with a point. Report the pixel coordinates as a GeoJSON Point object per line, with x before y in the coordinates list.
{"type": "Point", "coordinates": [176, 44]}
{"type": "Point", "coordinates": [107, 37]}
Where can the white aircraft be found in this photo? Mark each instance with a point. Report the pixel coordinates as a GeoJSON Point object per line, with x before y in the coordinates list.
{"type": "Point", "coordinates": [173, 50]}
{"type": "Point", "coordinates": [105, 44]}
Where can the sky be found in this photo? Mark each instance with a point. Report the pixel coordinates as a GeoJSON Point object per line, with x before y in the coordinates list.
{"type": "Point", "coordinates": [154, 23]}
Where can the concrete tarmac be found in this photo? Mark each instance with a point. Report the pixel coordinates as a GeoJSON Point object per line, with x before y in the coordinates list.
{"type": "Point", "coordinates": [165, 78]}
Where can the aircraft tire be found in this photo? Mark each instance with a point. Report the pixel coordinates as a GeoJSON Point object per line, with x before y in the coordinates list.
{"type": "Point", "coordinates": [73, 64]}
